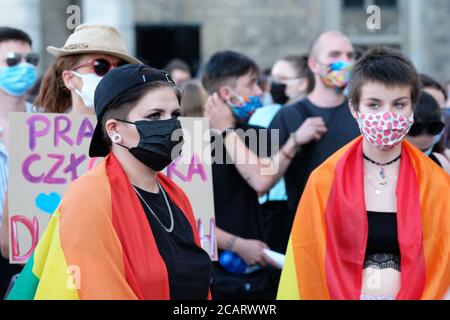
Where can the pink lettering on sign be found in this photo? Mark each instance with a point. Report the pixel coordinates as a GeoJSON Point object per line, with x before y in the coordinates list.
{"type": "Point", "coordinates": [26, 169]}
{"type": "Point", "coordinates": [73, 166]}
{"type": "Point", "coordinates": [34, 133]}
{"type": "Point", "coordinates": [209, 238]}
{"type": "Point", "coordinates": [86, 131]}
{"type": "Point", "coordinates": [32, 227]}
{"type": "Point", "coordinates": [50, 177]}
{"type": "Point", "coordinates": [64, 132]}
{"type": "Point", "coordinates": [195, 167]}
{"type": "Point", "coordinates": [53, 176]}
{"type": "Point", "coordinates": [61, 133]}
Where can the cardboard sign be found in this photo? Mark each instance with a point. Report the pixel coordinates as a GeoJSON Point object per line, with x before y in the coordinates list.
{"type": "Point", "coordinates": [49, 151]}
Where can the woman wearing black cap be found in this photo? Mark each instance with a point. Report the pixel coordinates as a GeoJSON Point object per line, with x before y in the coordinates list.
{"type": "Point", "coordinates": [123, 230]}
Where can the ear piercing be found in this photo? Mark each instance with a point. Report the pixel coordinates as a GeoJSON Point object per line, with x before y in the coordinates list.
{"type": "Point", "coordinates": [116, 138]}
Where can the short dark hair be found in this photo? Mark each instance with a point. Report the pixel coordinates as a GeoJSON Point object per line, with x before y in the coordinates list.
{"type": "Point", "coordinates": [224, 67]}
{"type": "Point", "coordinates": [177, 64]}
{"type": "Point", "coordinates": [8, 34]}
{"type": "Point", "coordinates": [121, 106]}
{"type": "Point", "coordinates": [387, 66]}
{"type": "Point", "coordinates": [429, 82]}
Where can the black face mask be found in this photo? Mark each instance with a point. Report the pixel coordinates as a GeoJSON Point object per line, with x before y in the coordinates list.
{"type": "Point", "coordinates": [278, 92]}
{"type": "Point", "coordinates": [157, 148]}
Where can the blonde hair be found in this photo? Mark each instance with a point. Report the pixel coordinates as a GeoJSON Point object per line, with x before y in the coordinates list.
{"type": "Point", "coordinates": [193, 100]}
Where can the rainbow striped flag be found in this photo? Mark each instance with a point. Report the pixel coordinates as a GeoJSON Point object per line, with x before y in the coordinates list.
{"type": "Point", "coordinates": [98, 244]}
{"type": "Point", "coordinates": [327, 245]}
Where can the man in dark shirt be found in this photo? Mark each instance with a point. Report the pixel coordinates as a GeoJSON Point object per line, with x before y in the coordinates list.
{"type": "Point", "coordinates": [328, 52]}
{"type": "Point", "coordinates": [316, 127]}
{"type": "Point", "coordinates": [232, 77]}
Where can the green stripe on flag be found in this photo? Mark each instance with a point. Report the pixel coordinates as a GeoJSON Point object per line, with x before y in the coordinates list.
{"type": "Point", "coordinates": [26, 284]}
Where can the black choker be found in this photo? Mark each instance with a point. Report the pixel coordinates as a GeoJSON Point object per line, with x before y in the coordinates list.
{"type": "Point", "coordinates": [381, 164]}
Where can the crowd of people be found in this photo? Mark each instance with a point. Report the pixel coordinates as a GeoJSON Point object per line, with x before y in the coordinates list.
{"type": "Point", "coordinates": [357, 196]}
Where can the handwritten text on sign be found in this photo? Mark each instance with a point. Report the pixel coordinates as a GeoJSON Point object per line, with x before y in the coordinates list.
{"type": "Point", "coordinates": [51, 150]}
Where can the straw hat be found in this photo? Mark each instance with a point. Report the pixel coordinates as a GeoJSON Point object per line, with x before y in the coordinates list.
{"type": "Point", "coordinates": [94, 38]}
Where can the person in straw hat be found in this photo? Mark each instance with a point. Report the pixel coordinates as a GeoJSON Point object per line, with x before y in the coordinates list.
{"type": "Point", "coordinates": [88, 54]}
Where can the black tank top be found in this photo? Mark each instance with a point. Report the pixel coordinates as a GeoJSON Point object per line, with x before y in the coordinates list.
{"type": "Point", "coordinates": [382, 235]}
{"type": "Point", "coordinates": [188, 266]}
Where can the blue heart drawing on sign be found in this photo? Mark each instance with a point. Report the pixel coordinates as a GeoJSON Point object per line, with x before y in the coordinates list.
{"type": "Point", "coordinates": [48, 203]}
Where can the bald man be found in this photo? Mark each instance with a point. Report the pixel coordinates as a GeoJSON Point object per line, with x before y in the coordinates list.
{"type": "Point", "coordinates": [331, 57]}
{"type": "Point", "coordinates": [328, 48]}
{"type": "Point", "coordinates": [310, 130]}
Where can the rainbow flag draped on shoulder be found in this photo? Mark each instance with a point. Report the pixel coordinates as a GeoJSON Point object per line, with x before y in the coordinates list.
{"type": "Point", "coordinates": [327, 245]}
{"type": "Point", "coordinates": [99, 244]}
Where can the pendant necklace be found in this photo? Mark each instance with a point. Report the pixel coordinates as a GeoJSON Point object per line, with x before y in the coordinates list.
{"type": "Point", "coordinates": [382, 172]}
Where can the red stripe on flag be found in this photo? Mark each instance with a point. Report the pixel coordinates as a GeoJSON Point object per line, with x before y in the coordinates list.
{"type": "Point", "coordinates": [346, 227]}
{"type": "Point", "coordinates": [409, 225]}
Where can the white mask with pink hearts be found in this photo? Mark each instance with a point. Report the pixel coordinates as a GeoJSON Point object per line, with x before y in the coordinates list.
{"type": "Point", "coordinates": [384, 130]}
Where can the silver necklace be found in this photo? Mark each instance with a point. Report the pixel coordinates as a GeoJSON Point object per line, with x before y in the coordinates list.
{"type": "Point", "coordinates": [170, 229]}
{"type": "Point", "coordinates": [381, 185]}
{"type": "Point", "coordinates": [382, 181]}
{"type": "Point", "coordinates": [381, 165]}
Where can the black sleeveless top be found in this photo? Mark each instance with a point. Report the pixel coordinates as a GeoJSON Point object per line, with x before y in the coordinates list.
{"type": "Point", "coordinates": [383, 250]}
{"type": "Point", "coordinates": [188, 266]}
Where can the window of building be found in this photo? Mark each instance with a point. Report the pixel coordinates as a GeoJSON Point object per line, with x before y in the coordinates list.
{"type": "Point", "coordinates": [360, 4]}
{"type": "Point", "coordinates": [353, 4]}
{"type": "Point", "coordinates": [156, 45]}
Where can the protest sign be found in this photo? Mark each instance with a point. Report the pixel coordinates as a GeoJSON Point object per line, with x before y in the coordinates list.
{"type": "Point", "coordinates": [49, 151]}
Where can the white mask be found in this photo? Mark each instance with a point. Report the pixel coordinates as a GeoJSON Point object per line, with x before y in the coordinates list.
{"type": "Point", "coordinates": [90, 83]}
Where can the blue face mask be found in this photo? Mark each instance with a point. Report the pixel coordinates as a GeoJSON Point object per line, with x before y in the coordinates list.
{"type": "Point", "coordinates": [246, 108]}
{"type": "Point", "coordinates": [18, 79]}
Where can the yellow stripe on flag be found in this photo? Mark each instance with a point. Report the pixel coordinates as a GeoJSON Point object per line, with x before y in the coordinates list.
{"type": "Point", "coordinates": [50, 266]}
{"type": "Point", "coordinates": [288, 288]}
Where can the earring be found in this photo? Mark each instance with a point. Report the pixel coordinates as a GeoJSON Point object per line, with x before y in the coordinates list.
{"type": "Point", "coordinates": [116, 137]}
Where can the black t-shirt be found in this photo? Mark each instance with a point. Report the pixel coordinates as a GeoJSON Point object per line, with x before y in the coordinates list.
{"type": "Point", "coordinates": [342, 128]}
{"type": "Point", "coordinates": [188, 266]}
{"type": "Point", "coordinates": [236, 204]}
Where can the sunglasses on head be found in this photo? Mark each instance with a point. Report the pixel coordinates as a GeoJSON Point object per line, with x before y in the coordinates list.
{"type": "Point", "coordinates": [432, 128]}
{"type": "Point", "coordinates": [15, 58]}
{"type": "Point", "coordinates": [100, 66]}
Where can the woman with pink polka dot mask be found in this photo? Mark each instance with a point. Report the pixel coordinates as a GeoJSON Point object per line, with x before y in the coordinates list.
{"type": "Point", "coordinates": [372, 223]}
{"type": "Point", "coordinates": [384, 129]}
